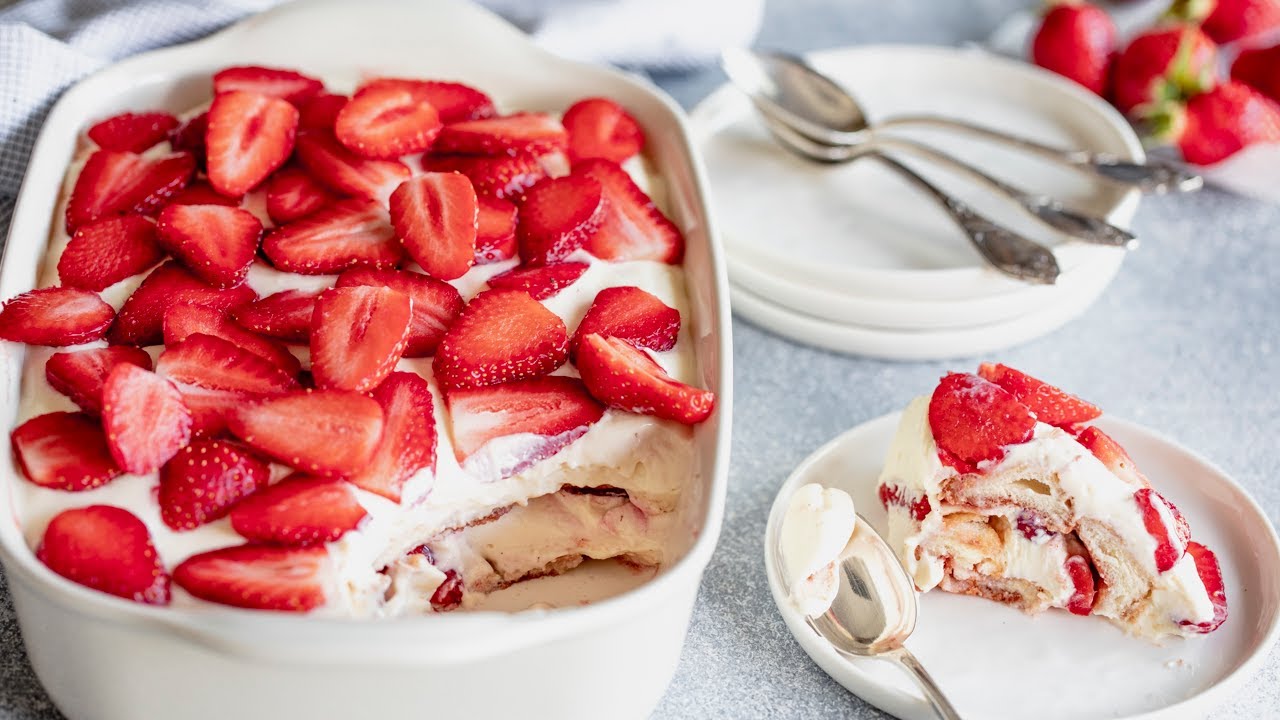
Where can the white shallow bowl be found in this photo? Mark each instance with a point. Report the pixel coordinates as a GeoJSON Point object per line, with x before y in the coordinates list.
{"type": "Point", "coordinates": [102, 658]}
{"type": "Point", "coordinates": [996, 663]}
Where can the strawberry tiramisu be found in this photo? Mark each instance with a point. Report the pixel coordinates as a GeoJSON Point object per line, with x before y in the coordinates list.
{"type": "Point", "coordinates": [367, 355]}
{"type": "Point", "coordinates": [998, 486]}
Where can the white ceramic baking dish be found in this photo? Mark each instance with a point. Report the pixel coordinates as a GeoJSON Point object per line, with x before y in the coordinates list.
{"type": "Point", "coordinates": [102, 658]}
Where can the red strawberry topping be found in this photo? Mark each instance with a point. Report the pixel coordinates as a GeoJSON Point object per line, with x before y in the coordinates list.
{"type": "Point", "coordinates": [358, 335]}
{"type": "Point", "coordinates": [130, 132]}
{"type": "Point", "coordinates": [285, 315]}
{"type": "Point", "coordinates": [557, 217]}
{"type": "Point", "coordinates": [386, 121]}
{"type": "Point", "coordinates": [144, 417]}
{"type": "Point", "coordinates": [973, 420]}
{"type": "Point", "coordinates": [454, 102]}
{"type": "Point", "coordinates": [1112, 455]}
{"type": "Point", "coordinates": [623, 376]}
{"type": "Point", "coordinates": [449, 594]}
{"type": "Point", "coordinates": [501, 336]}
{"type": "Point", "coordinates": [435, 303]}
{"type": "Point", "coordinates": [495, 177]}
{"type": "Point", "coordinates": [299, 510]}
{"type": "Point", "coordinates": [183, 321]}
{"type": "Point", "coordinates": [108, 549]}
{"type": "Point", "coordinates": [249, 136]}
{"type": "Point", "coordinates": [215, 242]}
{"type": "Point", "coordinates": [408, 442]}
{"type": "Point", "coordinates": [200, 192]}
{"type": "Point", "coordinates": [540, 282]}
{"type": "Point", "coordinates": [64, 451]}
{"type": "Point", "coordinates": [345, 172]}
{"type": "Point", "coordinates": [495, 230]}
{"type": "Point", "coordinates": [56, 316]}
{"type": "Point", "coordinates": [633, 228]}
{"type": "Point", "coordinates": [1051, 405]}
{"type": "Point", "coordinates": [292, 194]}
{"type": "Point", "coordinates": [601, 128]}
{"type": "Point", "coordinates": [263, 577]}
{"type": "Point", "coordinates": [509, 135]}
{"type": "Point", "coordinates": [324, 432]}
{"type": "Point", "coordinates": [102, 253]}
{"type": "Point", "coordinates": [350, 233]}
{"type": "Point", "coordinates": [435, 217]}
{"type": "Point", "coordinates": [120, 183]}
{"type": "Point", "coordinates": [189, 137]}
{"type": "Point", "coordinates": [632, 314]}
{"type": "Point", "coordinates": [1169, 528]}
{"type": "Point", "coordinates": [217, 364]}
{"type": "Point", "coordinates": [141, 319]}
{"type": "Point", "coordinates": [1211, 575]}
{"type": "Point", "coordinates": [894, 495]}
{"type": "Point", "coordinates": [1081, 574]}
{"type": "Point", "coordinates": [204, 480]}
{"type": "Point", "coordinates": [80, 375]}
{"type": "Point", "coordinates": [320, 112]}
{"type": "Point", "coordinates": [287, 85]}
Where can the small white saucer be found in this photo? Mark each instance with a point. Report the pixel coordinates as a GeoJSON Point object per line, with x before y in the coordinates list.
{"type": "Point", "coordinates": [996, 663]}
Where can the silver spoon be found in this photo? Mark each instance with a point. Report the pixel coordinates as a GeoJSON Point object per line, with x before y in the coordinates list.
{"type": "Point", "coordinates": [818, 107]}
{"type": "Point", "coordinates": [874, 611]}
{"type": "Point", "coordinates": [1006, 250]}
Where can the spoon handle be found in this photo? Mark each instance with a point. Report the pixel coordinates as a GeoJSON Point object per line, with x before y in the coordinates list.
{"type": "Point", "coordinates": [1153, 176]}
{"type": "Point", "coordinates": [931, 691]}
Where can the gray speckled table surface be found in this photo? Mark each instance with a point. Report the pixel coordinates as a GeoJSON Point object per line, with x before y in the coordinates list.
{"type": "Point", "coordinates": [1186, 340]}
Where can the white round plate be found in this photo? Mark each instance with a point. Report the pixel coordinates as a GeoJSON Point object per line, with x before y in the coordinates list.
{"type": "Point", "coordinates": [859, 229]}
{"type": "Point", "coordinates": [996, 663]}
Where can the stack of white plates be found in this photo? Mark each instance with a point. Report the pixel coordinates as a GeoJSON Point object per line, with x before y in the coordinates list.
{"type": "Point", "coordinates": [851, 258]}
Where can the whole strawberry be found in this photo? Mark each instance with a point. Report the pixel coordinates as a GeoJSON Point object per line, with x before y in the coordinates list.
{"type": "Point", "coordinates": [1229, 20]}
{"type": "Point", "coordinates": [1260, 69]}
{"type": "Point", "coordinates": [1163, 64]}
{"type": "Point", "coordinates": [1217, 124]}
{"type": "Point", "coordinates": [1076, 40]}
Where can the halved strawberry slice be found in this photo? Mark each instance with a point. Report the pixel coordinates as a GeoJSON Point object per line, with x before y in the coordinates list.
{"type": "Point", "coordinates": [205, 479]}
{"type": "Point", "coordinates": [435, 217]}
{"type": "Point", "coordinates": [80, 375]}
{"type": "Point", "coordinates": [1081, 574]}
{"type": "Point", "coordinates": [120, 183]}
{"type": "Point", "coordinates": [102, 253]}
{"type": "Point", "coordinates": [320, 112]}
{"type": "Point", "coordinates": [623, 376]}
{"type": "Point", "coordinates": [108, 549]}
{"type": "Point", "coordinates": [216, 243]}
{"type": "Point", "coordinates": [64, 451]}
{"type": "Point", "coordinates": [501, 336]}
{"type": "Point", "coordinates": [292, 194]}
{"type": "Point", "coordinates": [210, 408]}
{"type": "Point", "coordinates": [132, 132]}
{"type": "Point", "coordinates": [556, 409]}
{"type": "Point", "coordinates": [183, 321]}
{"type": "Point", "coordinates": [387, 121]}
{"type": "Point", "coordinates": [145, 418]}
{"type": "Point", "coordinates": [1051, 405]}
{"type": "Point", "coordinates": [249, 136]}
{"type": "Point", "coordinates": [454, 102]}
{"type": "Point", "coordinates": [1112, 455]}
{"type": "Point", "coordinates": [540, 282]}
{"type": "Point", "coordinates": [632, 314]}
{"type": "Point", "coordinates": [288, 85]}
{"type": "Point", "coordinates": [261, 577]}
{"type": "Point", "coordinates": [496, 177]}
{"type": "Point", "coordinates": [350, 233]}
{"type": "Point", "coordinates": [141, 318]}
{"type": "Point", "coordinates": [299, 510]}
{"type": "Point", "coordinates": [408, 442]}
{"type": "Point", "coordinates": [345, 172]}
{"type": "Point", "coordinates": [217, 364]}
{"type": "Point", "coordinates": [358, 335]}
{"type": "Point", "coordinates": [1211, 575]}
{"type": "Point", "coordinates": [601, 128]}
{"type": "Point", "coordinates": [557, 217]}
{"type": "Point", "coordinates": [435, 303]}
{"type": "Point", "coordinates": [1166, 524]}
{"type": "Point", "coordinates": [200, 192]}
{"type": "Point", "coordinates": [495, 230]}
{"type": "Point", "coordinates": [55, 316]}
{"type": "Point", "coordinates": [324, 432]}
{"type": "Point", "coordinates": [973, 420]}
{"type": "Point", "coordinates": [509, 135]}
{"type": "Point", "coordinates": [633, 227]}
{"type": "Point", "coordinates": [189, 137]}
{"type": "Point", "coordinates": [285, 315]}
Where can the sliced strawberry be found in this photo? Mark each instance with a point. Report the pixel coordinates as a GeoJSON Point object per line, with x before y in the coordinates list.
{"type": "Point", "coordinates": [1081, 574]}
{"type": "Point", "coordinates": [973, 420]}
{"type": "Point", "coordinates": [288, 85]}
{"type": "Point", "coordinates": [285, 315]}
{"type": "Point", "coordinates": [64, 451]}
{"type": "Point", "coordinates": [120, 183]}
{"type": "Point", "coordinates": [324, 432]}
{"type": "Point", "coordinates": [632, 314]}
{"type": "Point", "coordinates": [633, 227]}
{"type": "Point", "coordinates": [108, 549]}
{"type": "Point", "coordinates": [495, 230]}
{"type": "Point", "coordinates": [435, 303]}
{"type": "Point", "coordinates": [387, 121]}
{"type": "Point", "coordinates": [144, 417]}
{"type": "Point", "coordinates": [540, 282]}
{"type": "Point", "coordinates": [350, 233]}
{"type": "Point", "coordinates": [556, 409]}
{"type": "Point", "coordinates": [345, 172]}
{"type": "Point", "coordinates": [1112, 455]}
{"type": "Point", "coordinates": [249, 136]}
{"type": "Point", "coordinates": [495, 177]}
{"type": "Point", "coordinates": [218, 364]}
{"type": "Point", "coordinates": [557, 216]}
{"type": "Point", "coordinates": [292, 194]}
{"type": "Point", "coordinates": [210, 408]}
{"type": "Point", "coordinates": [216, 243]}
{"type": "Point", "coordinates": [130, 132]}
{"type": "Point", "coordinates": [261, 577]}
{"type": "Point", "coordinates": [408, 442]}
{"type": "Point", "coordinates": [897, 495]}
{"type": "Point", "coordinates": [1051, 405]}
{"type": "Point", "coordinates": [189, 137]}
{"type": "Point", "coordinates": [601, 128]}
{"type": "Point", "coordinates": [1211, 575]}
{"type": "Point", "coordinates": [454, 102]}
{"type": "Point", "coordinates": [501, 336]}
{"type": "Point", "coordinates": [509, 135]}
{"type": "Point", "coordinates": [299, 510]}
{"type": "Point", "coordinates": [358, 335]}
{"type": "Point", "coordinates": [623, 376]}
{"type": "Point", "coordinates": [102, 253]}
{"type": "Point", "coordinates": [141, 318]}
{"type": "Point", "coordinates": [1169, 528]}
{"type": "Point", "coordinates": [183, 321]}
{"type": "Point", "coordinates": [435, 217]}
{"type": "Point", "coordinates": [449, 594]}
{"type": "Point", "coordinates": [200, 192]}
{"type": "Point", "coordinates": [204, 480]}
{"type": "Point", "coordinates": [320, 112]}
{"type": "Point", "coordinates": [55, 316]}
{"type": "Point", "coordinates": [80, 375]}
